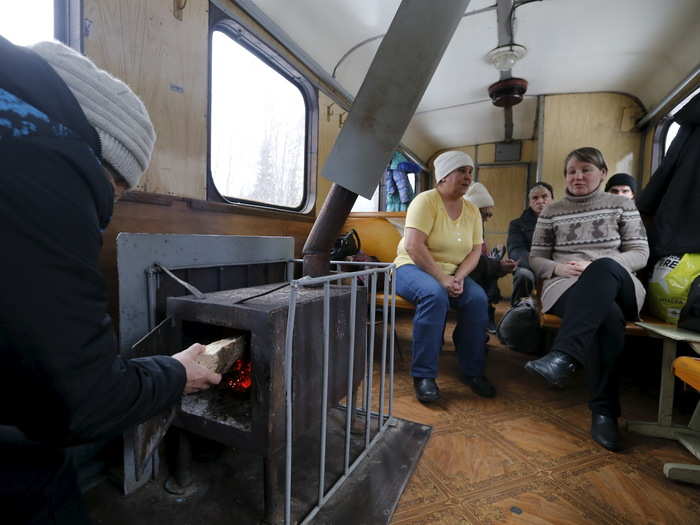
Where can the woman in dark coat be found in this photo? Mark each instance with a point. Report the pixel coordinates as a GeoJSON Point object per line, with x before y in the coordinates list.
{"type": "Point", "coordinates": [62, 380]}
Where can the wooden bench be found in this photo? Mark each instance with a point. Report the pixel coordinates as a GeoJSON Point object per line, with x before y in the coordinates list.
{"type": "Point", "coordinates": [687, 369]}
{"type": "Point", "coordinates": [632, 328]}
{"type": "Point", "coordinates": [378, 235]}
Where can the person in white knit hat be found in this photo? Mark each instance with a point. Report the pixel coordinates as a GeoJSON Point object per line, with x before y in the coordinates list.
{"type": "Point", "coordinates": [67, 129]}
{"type": "Point", "coordinates": [127, 136]}
{"type": "Point", "coordinates": [440, 249]}
{"type": "Point", "coordinates": [491, 267]}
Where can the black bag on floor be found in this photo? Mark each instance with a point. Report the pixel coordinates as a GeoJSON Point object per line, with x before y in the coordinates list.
{"type": "Point", "coordinates": [689, 318]}
{"type": "Point", "coordinates": [519, 328]}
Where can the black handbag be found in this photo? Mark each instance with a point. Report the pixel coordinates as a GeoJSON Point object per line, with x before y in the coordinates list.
{"type": "Point", "coordinates": [519, 328]}
{"type": "Point", "coordinates": [689, 317]}
{"type": "Point", "coordinates": [346, 245]}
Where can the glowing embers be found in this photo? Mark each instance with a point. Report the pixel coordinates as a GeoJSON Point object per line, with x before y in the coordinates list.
{"type": "Point", "coordinates": [240, 378]}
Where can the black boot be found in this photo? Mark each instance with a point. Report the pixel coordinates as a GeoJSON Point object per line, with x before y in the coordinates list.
{"type": "Point", "coordinates": [604, 431]}
{"type": "Point", "coordinates": [556, 367]}
{"type": "Point", "coordinates": [426, 389]}
{"type": "Point", "coordinates": [480, 385]}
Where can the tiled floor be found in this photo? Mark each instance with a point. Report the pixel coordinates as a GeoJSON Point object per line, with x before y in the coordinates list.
{"type": "Point", "coordinates": [526, 456]}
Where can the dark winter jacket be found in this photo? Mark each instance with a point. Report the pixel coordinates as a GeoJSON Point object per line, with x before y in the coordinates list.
{"type": "Point", "coordinates": [673, 193]}
{"type": "Point", "coordinates": [520, 237]}
{"type": "Point", "coordinates": [61, 378]}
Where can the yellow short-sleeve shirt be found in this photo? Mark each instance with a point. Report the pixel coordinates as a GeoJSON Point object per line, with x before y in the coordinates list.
{"type": "Point", "coordinates": [449, 241]}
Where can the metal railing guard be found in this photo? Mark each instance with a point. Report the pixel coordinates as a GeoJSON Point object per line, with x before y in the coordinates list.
{"type": "Point", "coordinates": [372, 270]}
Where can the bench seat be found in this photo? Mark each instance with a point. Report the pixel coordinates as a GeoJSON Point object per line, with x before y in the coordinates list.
{"type": "Point", "coordinates": [552, 321]}
{"type": "Point", "coordinates": [687, 369]}
{"type": "Point", "coordinates": [401, 303]}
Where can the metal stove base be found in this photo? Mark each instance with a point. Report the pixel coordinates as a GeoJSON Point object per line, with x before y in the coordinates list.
{"type": "Point", "coordinates": [227, 489]}
{"type": "Point", "coordinates": [372, 493]}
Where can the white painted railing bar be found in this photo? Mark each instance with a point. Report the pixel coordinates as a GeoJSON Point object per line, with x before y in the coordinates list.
{"type": "Point", "coordinates": [288, 351]}
{"type": "Point", "coordinates": [324, 401]}
{"type": "Point", "coordinates": [351, 369]}
{"type": "Point", "coordinates": [370, 358]}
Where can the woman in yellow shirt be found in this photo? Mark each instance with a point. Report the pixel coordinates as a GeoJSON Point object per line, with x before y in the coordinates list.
{"type": "Point", "coordinates": [440, 248]}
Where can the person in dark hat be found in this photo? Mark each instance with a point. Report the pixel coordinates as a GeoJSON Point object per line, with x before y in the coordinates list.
{"type": "Point", "coordinates": [72, 138]}
{"type": "Point", "coordinates": [622, 184]}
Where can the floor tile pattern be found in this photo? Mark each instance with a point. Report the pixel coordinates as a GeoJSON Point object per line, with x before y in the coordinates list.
{"type": "Point", "coordinates": [526, 456]}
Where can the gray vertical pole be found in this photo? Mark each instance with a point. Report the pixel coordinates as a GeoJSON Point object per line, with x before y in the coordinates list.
{"type": "Point", "coordinates": [385, 322]}
{"type": "Point", "coordinates": [391, 274]}
{"type": "Point", "coordinates": [505, 37]}
{"type": "Point", "coordinates": [324, 401]}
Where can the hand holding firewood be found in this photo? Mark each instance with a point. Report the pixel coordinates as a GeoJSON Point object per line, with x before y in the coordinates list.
{"type": "Point", "coordinates": [199, 377]}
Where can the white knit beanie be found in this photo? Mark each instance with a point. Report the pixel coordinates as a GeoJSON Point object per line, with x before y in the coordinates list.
{"type": "Point", "coordinates": [112, 108]}
{"type": "Point", "coordinates": [447, 162]}
{"type": "Point", "coordinates": [479, 196]}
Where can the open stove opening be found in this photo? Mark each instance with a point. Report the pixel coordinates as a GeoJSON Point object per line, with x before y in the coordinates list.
{"type": "Point", "coordinates": [230, 400]}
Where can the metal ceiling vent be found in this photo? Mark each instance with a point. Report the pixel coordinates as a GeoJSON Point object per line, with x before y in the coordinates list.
{"type": "Point", "coordinates": [508, 92]}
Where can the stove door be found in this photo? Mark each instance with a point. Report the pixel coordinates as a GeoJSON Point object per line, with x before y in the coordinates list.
{"type": "Point", "coordinates": [141, 442]}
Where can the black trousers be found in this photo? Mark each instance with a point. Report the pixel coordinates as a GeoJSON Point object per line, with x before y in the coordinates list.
{"type": "Point", "coordinates": [523, 284]}
{"type": "Point", "coordinates": [593, 313]}
{"type": "Point", "coordinates": [38, 483]}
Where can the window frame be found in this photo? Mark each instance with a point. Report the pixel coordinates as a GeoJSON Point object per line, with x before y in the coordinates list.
{"type": "Point", "coordinates": [234, 29]}
{"type": "Point", "coordinates": [658, 143]}
{"type": "Point", "coordinates": [67, 22]}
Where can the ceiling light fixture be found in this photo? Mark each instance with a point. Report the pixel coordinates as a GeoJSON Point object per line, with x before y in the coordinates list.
{"type": "Point", "coordinates": [504, 57]}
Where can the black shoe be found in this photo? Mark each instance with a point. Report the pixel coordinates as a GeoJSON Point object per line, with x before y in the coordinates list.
{"type": "Point", "coordinates": [604, 431]}
{"type": "Point", "coordinates": [426, 389]}
{"type": "Point", "coordinates": [556, 367]}
{"type": "Point", "coordinates": [480, 385]}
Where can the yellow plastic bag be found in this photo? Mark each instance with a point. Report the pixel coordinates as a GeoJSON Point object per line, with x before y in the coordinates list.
{"type": "Point", "coordinates": [670, 283]}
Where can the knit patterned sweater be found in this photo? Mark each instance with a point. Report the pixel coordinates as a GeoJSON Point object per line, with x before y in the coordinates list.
{"type": "Point", "coordinates": [586, 228]}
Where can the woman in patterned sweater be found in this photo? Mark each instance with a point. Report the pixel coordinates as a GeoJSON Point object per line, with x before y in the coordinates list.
{"type": "Point", "coordinates": [585, 249]}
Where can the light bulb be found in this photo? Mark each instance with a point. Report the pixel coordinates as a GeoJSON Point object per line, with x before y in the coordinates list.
{"type": "Point", "coordinates": [505, 57]}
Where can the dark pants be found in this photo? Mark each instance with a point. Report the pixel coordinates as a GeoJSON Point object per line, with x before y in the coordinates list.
{"type": "Point", "coordinates": [486, 275]}
{"type": "Point", "coordinates": [38, 484]}
{"type": "Point", "coordinates": [432, 303]}
{"type": "Point", "coordinates": [523, 284]}
{"type": "Point", "coordinates": [593, 313]}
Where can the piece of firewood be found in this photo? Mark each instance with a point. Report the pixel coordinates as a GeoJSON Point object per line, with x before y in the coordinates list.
{"type": "Point", "coordinates": [220, 355]}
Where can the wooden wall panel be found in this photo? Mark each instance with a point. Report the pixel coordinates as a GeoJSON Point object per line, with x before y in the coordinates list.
{"type": "Point", "coordinates": [485, 153]}
{"type": "Point", "coordinates": [529, 151]}
{"type": "Point", "coordinates": [600, 120]}
{"type": "Point", "coordinates": [647, 155]}
{"type": "Point", "coordinates": [164, 60]}
{"type": "Point", "coordinates": [329, 115]}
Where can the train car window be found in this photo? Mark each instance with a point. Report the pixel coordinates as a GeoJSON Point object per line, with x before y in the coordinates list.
{"type": "Point", "coordinates": [259, 124]}
{"type": "Point", "coordinates": [26, 23]}
{"type": "Point", "coordinates": [396, 188]}
{"type": "Point", "coordinates": [362, 204]}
